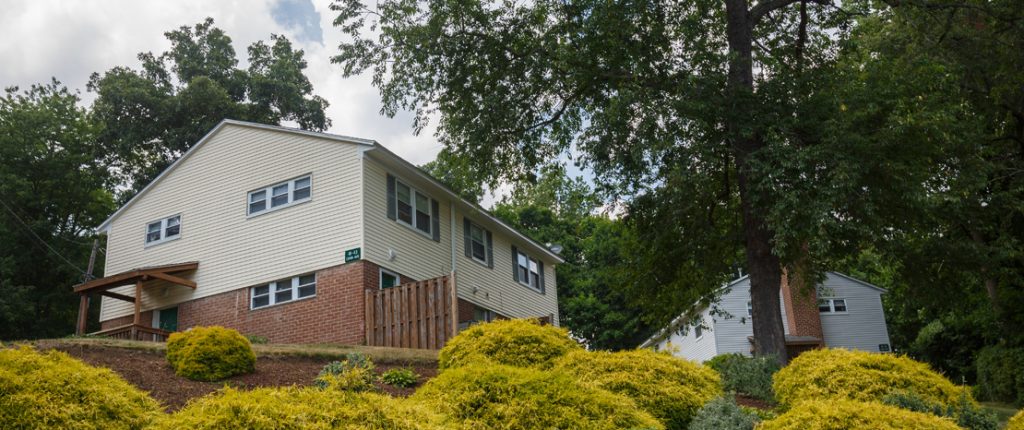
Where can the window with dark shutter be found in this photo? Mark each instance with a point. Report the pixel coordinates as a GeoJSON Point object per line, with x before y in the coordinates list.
{"type": "Point", "coordinates": [413, 208]}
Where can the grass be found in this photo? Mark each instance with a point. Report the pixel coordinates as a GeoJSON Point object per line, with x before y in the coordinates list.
{"type": "Point", "coordinates": [1004, 411]}
{"type": "Point", "coordinates": [378, 354]}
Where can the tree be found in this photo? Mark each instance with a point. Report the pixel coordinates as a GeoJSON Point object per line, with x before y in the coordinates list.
{"type": "Point", "coordinates": [649, 94]}
{"type": "Point", "coordinates": [153, 115]}
{"type": "Point", "coordinates": [592, 304]}
{"type": "Point", "coordinates": [53, 190]}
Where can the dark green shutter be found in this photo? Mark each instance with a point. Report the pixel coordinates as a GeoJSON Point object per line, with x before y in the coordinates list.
{"type": "Point", "coordinates": [540, 267]}
{"type": "Point", "coordinates": [435, 219]}
{"type": "Point", "coordinates": [490, 249]}
{"type": "Point", "coordinates": [515, 263]}
{"type": "Point", "coordinates": [392, 200]}
{"type": "Point", "coordinates": [465, 235]}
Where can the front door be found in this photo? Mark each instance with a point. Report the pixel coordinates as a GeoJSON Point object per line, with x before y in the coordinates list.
{"type": "Point", "coordinates": [169, 319]}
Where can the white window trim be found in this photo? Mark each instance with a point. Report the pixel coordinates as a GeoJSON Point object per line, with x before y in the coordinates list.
{"type": "Point", "coordinates": [269, 190]}
{"type": "Point", "coordinates": [380, 278]}
{"type": "Point", "coordinates": [528, 271]}
{"type": "Point", "coordinates": [272, 297]}
{"type": "Point", "coordinates": [700, 329]}
{"type": "Point", "coordinates": [832, 306]}
{"type": "Point", "coordinates": [412, 204]}
{"type": "Point", "coordinates": [163, 230]}
{"type": "Point", "coordinates": [483, 231]}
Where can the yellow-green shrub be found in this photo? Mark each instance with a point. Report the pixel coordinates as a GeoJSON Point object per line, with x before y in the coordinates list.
{"type": "Point", "coordinates": [1017, 422]}
{"type": "Point", "coordinates": [52, 390]}
{"type": "Point", "coordinates": [669, 388]}
{"type": "Point", "coordinates": [298, 408]}
{"type": "Point", "coordinates": [521, 343]}
{"type": "Point", "coordinates": [840, 414]}
{"type": "Point", "coordinates": [210, 353]}
{"type": "Point", "coordinates": [495, 396]}
{"type": "Point", "coordinates": [859, 375]}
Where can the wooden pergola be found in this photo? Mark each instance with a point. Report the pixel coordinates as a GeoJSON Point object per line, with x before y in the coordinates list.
{"type": "Point", "coordinates": [103, 286]}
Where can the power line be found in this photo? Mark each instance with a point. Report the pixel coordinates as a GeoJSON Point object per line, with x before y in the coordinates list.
{"type": "Point", "coordinates": [43, 242]}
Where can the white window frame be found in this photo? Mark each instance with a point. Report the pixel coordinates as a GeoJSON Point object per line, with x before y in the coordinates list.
{"type": "Point", "coordinates": [412, 210]}
{"type": "Point", "coordinates": [750, 308]}
{"type": "Point", "coordinates": [164, 238]}
{"type": "Point", "coordinates": [483, 241]}
{"type": "Point", "coordinates": [698, 331]}
{"type": "Point", "coordinates": [529, 279]}
{"type": "Point", "coordinates": [380, 278]}
{"type": "Point", "coordinates": [832, 306]}
{"type": "Point", "coordinates": [271, 294]}
{"type": "Point", "coordinates": [269, 195]}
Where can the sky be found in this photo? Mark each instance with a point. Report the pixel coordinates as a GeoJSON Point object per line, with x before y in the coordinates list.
{"type": "Point", "coordinates": [69, 40]}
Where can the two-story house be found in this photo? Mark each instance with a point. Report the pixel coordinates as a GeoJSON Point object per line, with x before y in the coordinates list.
{"type": "Point", "coordinates": [842, 312]}
{"type": "Point", "coordinates": [307, 237]}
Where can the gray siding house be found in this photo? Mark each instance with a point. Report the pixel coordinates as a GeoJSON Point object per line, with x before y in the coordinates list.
{"type": "Point", "coordinates": [843, 312]}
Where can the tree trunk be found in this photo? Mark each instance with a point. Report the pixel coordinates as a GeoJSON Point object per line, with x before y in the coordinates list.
{"type": "Point", "coordinates": [764, 267]}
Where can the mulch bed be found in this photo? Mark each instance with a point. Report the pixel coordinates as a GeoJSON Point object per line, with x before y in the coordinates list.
{"type": "Point", "coordinates": [751, 402]}
{"type": "Point", "coordinates": [150, 372]}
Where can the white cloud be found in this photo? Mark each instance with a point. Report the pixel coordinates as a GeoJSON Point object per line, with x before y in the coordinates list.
{"type": "Point", "coordinates": [71, 40]}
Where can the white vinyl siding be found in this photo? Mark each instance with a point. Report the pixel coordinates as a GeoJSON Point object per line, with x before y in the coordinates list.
{"type": "Point", "coordinates": [419, 257]}
{"type": "Point", "coordinates": [235, 251]}
{"type": "Point", "coordinates": [693, 344]}
{"type": "Point", "coordinates": [734, 328]}
{"type": "Point", "coordinates": [862, 326]}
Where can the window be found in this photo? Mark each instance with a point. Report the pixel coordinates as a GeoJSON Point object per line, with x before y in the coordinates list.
{"type": "Point", "coordinates": [698, 331]}
{"type": "Point", "coordinates": [413, 208]}
{"type": "Point", "coordinates": [528, 271]}
{"type": "Point", "coordinates": [388, 279]}
{"type": "Point", "coordinates": [280, 195]}
{"type": "Point", "coordinates": [832, 306]}
{"type": "Point", "coordinates": [283, 291]}
{"type": "Point", "coordinates": [164, 230]}
{"type": "Point", "coordinates": [479, 243]}
{"type": "Point", "coordinates": [750, 308]}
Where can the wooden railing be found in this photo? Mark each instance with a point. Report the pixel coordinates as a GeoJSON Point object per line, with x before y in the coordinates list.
{"type": "Point", "coordinates": [419, 314]}
{"type": "Point", "coordinates": [135, 332]}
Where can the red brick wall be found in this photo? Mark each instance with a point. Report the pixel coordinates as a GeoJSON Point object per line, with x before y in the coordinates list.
{"type": "Point", "coordinates": [801, 310]}
{"type": "Point", "coordinates": [335, 315]}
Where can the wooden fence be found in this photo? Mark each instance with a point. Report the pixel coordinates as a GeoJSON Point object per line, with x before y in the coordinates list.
{"type": "Point", "coordinates": [421, 314]}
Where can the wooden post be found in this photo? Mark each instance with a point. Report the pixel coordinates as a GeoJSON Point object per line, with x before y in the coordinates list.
{"type": "Point", "coordinates": [138, 303]}
{"type": "Point", "coordinates": [83, 314]}
{"type": "Point", "coordinates": [83, 305]}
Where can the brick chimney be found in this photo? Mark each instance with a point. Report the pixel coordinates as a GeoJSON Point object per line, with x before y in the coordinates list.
{"type": "Point", "coordinates": [801, 309]}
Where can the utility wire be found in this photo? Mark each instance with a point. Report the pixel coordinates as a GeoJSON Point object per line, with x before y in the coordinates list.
{"type": "Point", "coordinates": [43, 242]}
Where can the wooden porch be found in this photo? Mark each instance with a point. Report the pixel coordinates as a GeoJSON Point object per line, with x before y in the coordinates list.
{"type": "Point", "coordinates": [102, 286]}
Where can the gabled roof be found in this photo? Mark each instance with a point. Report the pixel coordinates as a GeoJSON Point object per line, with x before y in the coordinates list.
{"type": "Point", "coordinates": [370, 145]}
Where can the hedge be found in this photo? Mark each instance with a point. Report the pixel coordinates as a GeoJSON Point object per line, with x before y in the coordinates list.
{"type": "Point", "coordinates": [298, 408]}
{"type": "Point", "coordinates": [518, 342]}
{"type": "Point", "coordinates": [860, 375]}
{"type": "Point", "coordinates": [842, 414]}
{"type": "Point", "coordinates": [669, 388]}
{"type": "Point", "coordinates": [495, 396]}
{"type": "Point", "coordinates": [1001, 374]}
{"type": "Point", "coordinates": [1017, 422]}
{"type": "Point", "coordinates": [52, 390]}
{"type": "Point", "coordinates": [750, 376]}
{"type": "Point", "coordinates": [210, 353]}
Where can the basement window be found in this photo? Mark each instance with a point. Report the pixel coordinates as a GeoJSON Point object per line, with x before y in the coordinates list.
{"type": "Point", "coordinates": [283, 291]}
{"type": "Point", "coordinates": [163, 230]}
{"type": "Point", "coordinates": [388, 279]}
